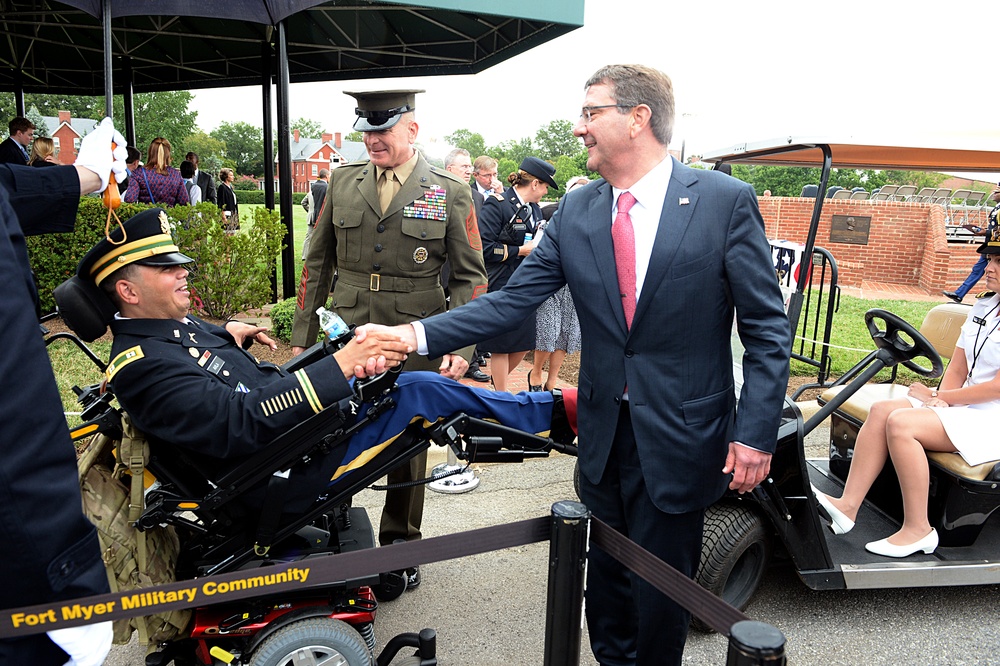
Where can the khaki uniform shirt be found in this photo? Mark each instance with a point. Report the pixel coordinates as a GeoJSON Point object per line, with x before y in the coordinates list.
{"type": "Point", "coordinates": [389, 265]}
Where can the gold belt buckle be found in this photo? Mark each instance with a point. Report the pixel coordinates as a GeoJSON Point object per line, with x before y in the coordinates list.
{"type": "Point", "coordinates": [374, 282]}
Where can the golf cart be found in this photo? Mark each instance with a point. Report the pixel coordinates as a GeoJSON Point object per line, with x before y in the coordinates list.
{"type": "Point", "coordinates": [781, 514]}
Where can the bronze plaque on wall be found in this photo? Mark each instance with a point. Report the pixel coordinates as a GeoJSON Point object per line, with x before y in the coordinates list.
{"type": "Point", "coordinates": [850, 229]}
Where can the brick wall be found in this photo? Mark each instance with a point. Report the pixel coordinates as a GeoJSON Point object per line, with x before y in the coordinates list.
{"type": "Point", "coordinates": [906, 241]}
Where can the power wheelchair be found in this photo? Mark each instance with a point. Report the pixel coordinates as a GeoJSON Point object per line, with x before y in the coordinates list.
{"type": "Point", "coordinates": [221, 531]}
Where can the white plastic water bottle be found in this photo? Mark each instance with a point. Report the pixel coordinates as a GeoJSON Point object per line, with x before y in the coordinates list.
{"type": "Point", "coordinates": [331, 323]}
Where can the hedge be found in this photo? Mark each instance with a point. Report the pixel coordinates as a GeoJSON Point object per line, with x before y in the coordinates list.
{"type": "Point", "coordinates": [257, 197]}
{"type": "Point", "coordinates": [232, 273]}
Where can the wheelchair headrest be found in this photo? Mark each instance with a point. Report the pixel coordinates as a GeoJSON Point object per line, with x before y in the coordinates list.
{"type": "Point", "coordinates": [84, 307]}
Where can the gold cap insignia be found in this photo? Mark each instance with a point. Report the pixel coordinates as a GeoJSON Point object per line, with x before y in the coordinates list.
{"type": "Point", "coordinates": [164, 223]}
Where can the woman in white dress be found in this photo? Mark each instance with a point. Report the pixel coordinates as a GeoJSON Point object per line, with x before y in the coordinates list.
{"type": "Point", "coordinates": [960, 416]}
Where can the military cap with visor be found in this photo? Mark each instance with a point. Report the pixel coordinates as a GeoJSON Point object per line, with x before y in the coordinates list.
{"type": "Point", "coordinates": [379, 110]}
{"type": "Point", "coordinates": [143, 239]}
{"type": "Point", "coordinates": [540, 169]}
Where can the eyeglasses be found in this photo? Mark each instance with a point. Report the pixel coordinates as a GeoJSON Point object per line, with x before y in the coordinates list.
{"type": "Point", "coordinates": [587, 112]}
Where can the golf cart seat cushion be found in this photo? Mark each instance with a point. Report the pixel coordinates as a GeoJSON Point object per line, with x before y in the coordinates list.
{"type": "Point", "coordinates": [942, 326]}
{"type": "Point", "coordinates": [955, 463]}
{"type": "Point", "coordinates": [859, 404]}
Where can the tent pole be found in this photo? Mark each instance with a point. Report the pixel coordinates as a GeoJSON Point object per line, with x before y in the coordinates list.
{"type": "Point", "coordinates": [285, 166]}
{"type": "Point", "coordinates": [267, 66]}
{"type": "Point", "coordinates": [108, 90]}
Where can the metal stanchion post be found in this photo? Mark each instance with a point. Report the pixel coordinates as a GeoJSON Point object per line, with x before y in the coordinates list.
{"type": "Point", "coordinates": [567, 573]}
{"type": "Point", "coordinates": [755, 644]}
{"type": "Point", "coordinates": [454, 482]}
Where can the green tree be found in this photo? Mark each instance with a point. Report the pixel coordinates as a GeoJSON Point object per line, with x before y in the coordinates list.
{"type": "Point", "coordinates": [41, 127]}
{"type": "Point", "coordinates": [309, 129]}
{"type": "Point", "coordinates": [512, 151]}
{"type": "Point", "coordinates": [471, 141]}
{"type": "Point", "coordinates": [244, 146]}
{"type": "Point", "coordinates": [556, 139]}
{"type": "Point", "coordinates": [566, 168]}
{"type": "Point", "coordinates": [158, 114]}
{"type": "Point", "coordinates": [210, 151]}
{"type": "Point", "coordinates": [355, 136]}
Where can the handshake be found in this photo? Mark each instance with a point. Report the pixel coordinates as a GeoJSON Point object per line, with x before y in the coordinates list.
{"type": "Point", "coordinates": [375, 349]}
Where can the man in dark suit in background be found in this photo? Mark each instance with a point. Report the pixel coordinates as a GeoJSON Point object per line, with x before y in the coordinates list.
{"type": "Point", "coordinates": [662, 255]}
{"type": "Point", "coordinates": [459, 162]}
{"type": "Point", "coordinates": [203, 180]}
{"type": "Point", "coordinates": [14, 149]}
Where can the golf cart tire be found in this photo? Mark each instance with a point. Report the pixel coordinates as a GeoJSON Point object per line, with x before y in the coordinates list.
{"type": "Point", "coordinates": [316, 640]}
{"type": "Point", "coordinates": [735, 551]}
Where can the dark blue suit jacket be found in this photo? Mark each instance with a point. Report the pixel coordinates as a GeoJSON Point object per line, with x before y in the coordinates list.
{"type": "Point", "coordinates": [710, 258]}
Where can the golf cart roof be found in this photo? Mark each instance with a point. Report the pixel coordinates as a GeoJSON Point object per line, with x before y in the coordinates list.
{"type": "Point", "coordinates": [964, 154]}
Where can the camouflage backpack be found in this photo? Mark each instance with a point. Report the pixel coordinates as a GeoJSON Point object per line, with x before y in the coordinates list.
{"type": "Point", "coordinates": [133, 558]}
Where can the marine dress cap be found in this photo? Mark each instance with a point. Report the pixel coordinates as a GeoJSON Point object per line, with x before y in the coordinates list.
{"type": "Point", "coordinates": [540, 169]}
{"type": "Point", "coordinates": [146, 241]}
{"type": "Point", "coordinates": [381, 109]}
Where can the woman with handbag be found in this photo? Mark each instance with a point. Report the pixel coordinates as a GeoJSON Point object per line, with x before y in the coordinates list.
{"type": "Point", "coordinates": [156, 181]}
{"type": "Point", "coordinates": [507, 225]}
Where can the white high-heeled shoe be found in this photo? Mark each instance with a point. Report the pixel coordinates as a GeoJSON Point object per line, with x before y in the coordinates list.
{"type": "Point", "coordinates": [839, 523]}
{"type": "Point", "coordinates": [882, 547]}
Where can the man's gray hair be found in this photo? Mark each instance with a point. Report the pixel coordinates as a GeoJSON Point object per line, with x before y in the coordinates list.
{"type": "Point", "coordinates": [449, 159]}
{"type": "Point", "coordinates": [632, 85]}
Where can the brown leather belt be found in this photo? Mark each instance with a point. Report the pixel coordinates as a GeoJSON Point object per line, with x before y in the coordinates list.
{"type": "Point", "coordinates": [379, 282]}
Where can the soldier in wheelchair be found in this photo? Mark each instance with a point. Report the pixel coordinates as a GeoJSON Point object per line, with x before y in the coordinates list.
{"type": "Point", "coordinates": [269, 457]}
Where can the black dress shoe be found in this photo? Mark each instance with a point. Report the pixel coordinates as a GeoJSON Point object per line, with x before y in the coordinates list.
{"type": "Point", "coordinates": [477, 375]}
{"type": "Point", "coordinates": [953, 296]}
{"type": "Point", "coordinates": [412, 578]}
{"type": "Point", "coordinates": [534, 388]}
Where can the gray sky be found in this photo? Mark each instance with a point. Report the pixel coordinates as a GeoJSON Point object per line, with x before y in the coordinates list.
{"type": "Point", "coordinates": [742, 71]}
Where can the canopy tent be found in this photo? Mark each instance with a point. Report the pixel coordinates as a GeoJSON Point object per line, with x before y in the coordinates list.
{"type": "Point", "coordinates": [57, 46]}
{"type": "Point", "coordinates": [94, 47]}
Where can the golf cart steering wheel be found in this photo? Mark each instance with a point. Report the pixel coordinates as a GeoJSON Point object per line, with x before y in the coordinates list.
{"type": "Point", "coordinates": [902, 350]}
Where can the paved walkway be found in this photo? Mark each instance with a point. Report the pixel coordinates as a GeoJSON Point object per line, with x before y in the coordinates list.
{"type": "Point", "coordinates": [892, 290]}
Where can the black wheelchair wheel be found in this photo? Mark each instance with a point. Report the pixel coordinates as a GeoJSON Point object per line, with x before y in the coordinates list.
{"type": "Point", "coordinates": [313, 641]}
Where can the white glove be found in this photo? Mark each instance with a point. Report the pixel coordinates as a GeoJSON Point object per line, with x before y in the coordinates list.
{"type": "Point", "coordinates": [87, 645]}
{"type": "Point", "coordinates": [96, 154]}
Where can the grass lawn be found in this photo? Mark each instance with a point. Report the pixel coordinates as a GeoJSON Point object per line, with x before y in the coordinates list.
{"type": "Point", "coordinates": [851, 340]}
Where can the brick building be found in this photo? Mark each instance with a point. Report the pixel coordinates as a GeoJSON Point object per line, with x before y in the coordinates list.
{"type": "Point", "coordinates": [327, 152]}
{"type": "Point", "coordinates": [66, 133]}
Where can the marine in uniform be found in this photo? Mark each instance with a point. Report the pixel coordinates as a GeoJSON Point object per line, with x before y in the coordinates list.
{"type": "Point", "coordinates": [387, 229]}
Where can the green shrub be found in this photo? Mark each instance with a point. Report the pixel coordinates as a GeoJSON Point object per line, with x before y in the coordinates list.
{"type": "Point", "coordinates": [232, 271]}
{"type": "Point", "coordinates": [282, 315]}
{"type": "Point", "coordinates": [257, 197]}
{"type": "Point", "coordinates": [54, 257]}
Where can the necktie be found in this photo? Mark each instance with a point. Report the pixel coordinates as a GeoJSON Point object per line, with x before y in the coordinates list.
{"type": "Point", "coordinates": [387, 189]}
{"type": "Point", "coordinates": [623, 239]}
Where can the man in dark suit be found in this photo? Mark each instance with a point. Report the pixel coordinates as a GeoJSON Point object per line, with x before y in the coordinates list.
{"type": "Point", "coordinates": [203, 180]}
{"type": "Point", "coordinates": [14, 149]}
{"type": "Point", "coordinates": [660, 435]}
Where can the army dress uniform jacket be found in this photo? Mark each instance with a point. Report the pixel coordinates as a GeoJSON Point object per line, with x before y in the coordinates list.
{"type": "Point", "coordinates": [389, 265]}
{"type": "Point", "coordinates": [189, 385]}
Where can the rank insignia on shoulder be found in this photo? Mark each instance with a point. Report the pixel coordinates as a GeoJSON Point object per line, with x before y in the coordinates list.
{"type": "Point", "coordinates": [123, 359]}
{"type": "Point", "coordinates": [497, 196]}
{"type": "Point", "coordinates": [985, 294]}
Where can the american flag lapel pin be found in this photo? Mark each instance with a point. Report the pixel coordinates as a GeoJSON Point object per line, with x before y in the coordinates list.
{"type": "Point", "coordinates": [684, 201]}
